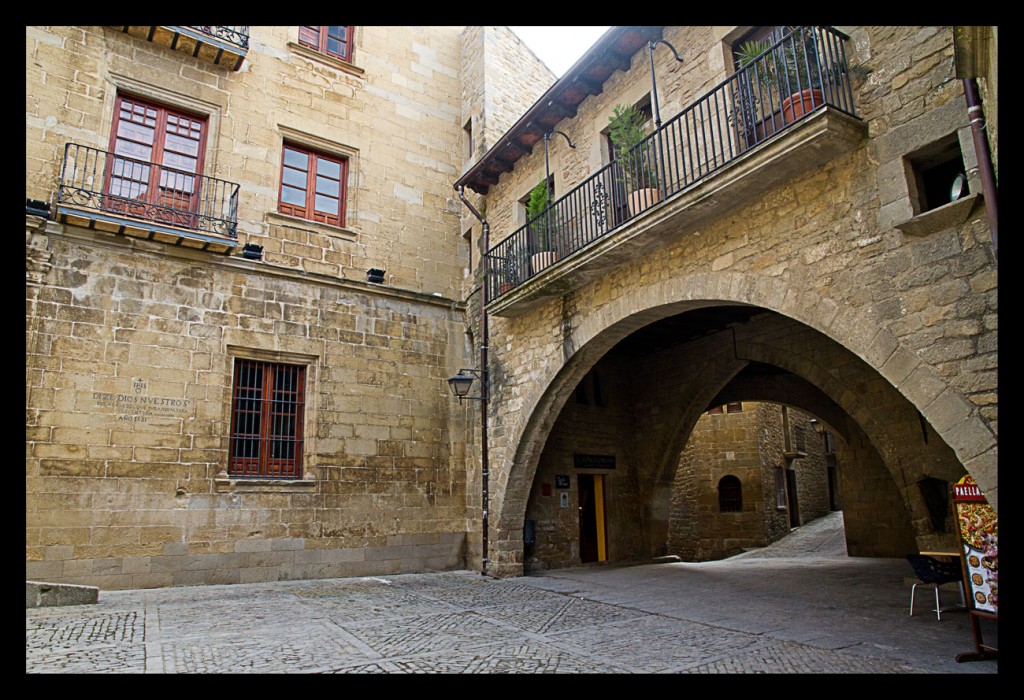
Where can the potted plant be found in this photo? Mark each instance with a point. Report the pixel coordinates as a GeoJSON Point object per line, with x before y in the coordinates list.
{"type": "Point", "coordinates": [541, 236]}
{"type": "Point", "coordinates": [756, 82]}
{"type": "Point", "coordinates": [803, 74]}
{"type": "Point", "coordinates": [627, 129]}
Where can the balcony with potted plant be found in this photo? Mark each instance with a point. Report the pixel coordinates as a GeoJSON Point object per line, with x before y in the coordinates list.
{"type": "Point", "coordinates": [634, 157]}
{"type": "Point", "coordinates": [786, 110]}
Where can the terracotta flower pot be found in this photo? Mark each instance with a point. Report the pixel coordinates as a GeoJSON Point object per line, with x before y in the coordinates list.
{"type": "Point", "coordinates": [798, 104]}
{"type": "Point", "coordinates": [639, 200]}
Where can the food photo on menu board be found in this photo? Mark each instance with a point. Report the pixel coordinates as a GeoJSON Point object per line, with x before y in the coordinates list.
{"type": "Point", "coordinates": [979, 534]}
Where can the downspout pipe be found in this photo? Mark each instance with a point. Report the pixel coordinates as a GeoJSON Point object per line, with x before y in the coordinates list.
{"type": "Point", "coordinates": [485, 382]}
{"type": "Point", "coordinates": [988, 181]}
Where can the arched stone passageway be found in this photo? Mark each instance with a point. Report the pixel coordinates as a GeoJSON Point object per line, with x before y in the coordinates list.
{"type": "Point", "coordinates": [664, 365]}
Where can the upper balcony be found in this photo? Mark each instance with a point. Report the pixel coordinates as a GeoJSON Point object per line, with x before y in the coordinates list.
{"type": "Point", "coordinates": [789, 110]}
{"type": "Point", "coordinates": [109, 192]}
{"type": "Point", "coordinates": [221, 46]}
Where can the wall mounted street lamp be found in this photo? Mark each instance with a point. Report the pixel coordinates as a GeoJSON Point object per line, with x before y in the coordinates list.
{"type": "Point", "coordinates": [818, 426]}
{"type": "Point", "coordinates": [547, 168]}
{"type": "Point", "coordinates": [654, 83]}
{"type": "Point", "coordinates": [461, 383]}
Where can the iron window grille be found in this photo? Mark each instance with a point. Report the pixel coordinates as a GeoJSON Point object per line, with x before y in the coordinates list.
{"type": "Point", "coordinates": [267, 407]}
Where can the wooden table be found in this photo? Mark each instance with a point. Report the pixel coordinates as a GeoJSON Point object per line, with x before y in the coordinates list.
{"type": "Point", "coordinates": [941, 554]}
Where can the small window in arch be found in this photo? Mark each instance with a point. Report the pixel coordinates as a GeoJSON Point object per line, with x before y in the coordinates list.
{"type": "Point", "coordinates": [730, 494]}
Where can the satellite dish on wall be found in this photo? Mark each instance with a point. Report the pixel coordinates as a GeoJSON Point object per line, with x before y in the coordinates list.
{"type": "Point", "coordinates": [958, 188]}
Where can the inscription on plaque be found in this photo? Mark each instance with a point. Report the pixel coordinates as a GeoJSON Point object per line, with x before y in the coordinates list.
{"type": "Point", "coordinates": [138, 405]}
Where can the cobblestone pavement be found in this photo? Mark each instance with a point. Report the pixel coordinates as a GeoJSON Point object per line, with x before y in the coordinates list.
{"type": "Point", "coordinates": [805, 608]}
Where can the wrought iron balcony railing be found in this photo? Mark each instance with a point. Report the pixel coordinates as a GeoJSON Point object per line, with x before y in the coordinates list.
{"type": "Point", "coordinates": [803, 72]}
{"type": "Point", "coordinates": [239, 36]}
{"type": "Point", "coordinates": [115, 186]}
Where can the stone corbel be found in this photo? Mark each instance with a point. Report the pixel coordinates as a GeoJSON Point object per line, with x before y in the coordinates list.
{"type": "Point", "coordinates": [38, 257]}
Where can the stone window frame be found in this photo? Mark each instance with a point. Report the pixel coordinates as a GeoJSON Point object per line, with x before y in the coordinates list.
{"type": "Point", "coordinates": [896, 178]}
{"type": "Point", "coordinates": [350, 154]}
{"type": "Point", "coordinates": [224, 481]}
{"type": "Point", "coordinates": [781, 498]}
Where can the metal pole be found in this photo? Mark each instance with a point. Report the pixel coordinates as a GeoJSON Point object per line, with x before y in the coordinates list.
{"type": "Point", "coordinates": [485, 385]}
{"type": "Point", "coordinates": [485, 390]}
{"type": "Point", "coordinates": [988, 180]}
{"type": "Point", "coordinates": [657, 112]}
{"type": "Point", "coordinates": [547, 175]}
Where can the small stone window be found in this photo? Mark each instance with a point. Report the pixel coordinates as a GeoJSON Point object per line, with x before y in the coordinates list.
{"type": "Point", "coordinates": [936, 175]}
{"type": "Point", "coordinates": [730, 494]}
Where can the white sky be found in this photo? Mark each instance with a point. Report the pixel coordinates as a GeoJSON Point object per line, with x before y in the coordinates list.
{"type": "Point", "coordinates": [559, 47]}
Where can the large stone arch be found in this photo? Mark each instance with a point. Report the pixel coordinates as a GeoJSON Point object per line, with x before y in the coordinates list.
{"type": "Point", "coordinates": [586, 337]}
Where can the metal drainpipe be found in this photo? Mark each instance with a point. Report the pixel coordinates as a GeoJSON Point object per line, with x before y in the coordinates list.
{"type": "Point", "coordinates": [985, 170]}
{"type": "Point", "coordinates": [485, 381]}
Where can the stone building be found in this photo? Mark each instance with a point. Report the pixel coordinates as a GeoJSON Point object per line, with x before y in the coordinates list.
{"type": "Point", "coordinates": [749, 474]}
{"type": "Point", "coordinates": [235, 374]}
{"type": "Point", "coordinates": [839, 259]}
{"type": "Point", "coordinates": [254, 255]}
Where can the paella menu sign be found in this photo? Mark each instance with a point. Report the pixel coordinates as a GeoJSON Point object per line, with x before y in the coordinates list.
{"type": "Point", "coordinates": [979, 539]}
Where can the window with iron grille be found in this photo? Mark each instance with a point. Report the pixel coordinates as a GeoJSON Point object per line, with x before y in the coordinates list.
{"type": "Point", "coordinates": [730, 494]}
{"type": "Point", "coordinates": [313, 185]}
{"type": "Point", "coordinates": [267, 405]}
{"type": "Point", "coordinates": [333, 41]}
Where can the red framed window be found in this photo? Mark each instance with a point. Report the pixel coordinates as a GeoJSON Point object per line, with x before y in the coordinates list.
{"type": "Point", "coordinates": [158, 154]}
{"type": "Point", "coordinates": [333, 41]}
{"type": "Point", "coordinates": [267, 406]}
{"type": "Point", "coordinates": [313, 185]}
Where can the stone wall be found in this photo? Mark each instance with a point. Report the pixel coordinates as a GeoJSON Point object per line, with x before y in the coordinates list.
{"type": "Point", "coordinates": [130, 370]}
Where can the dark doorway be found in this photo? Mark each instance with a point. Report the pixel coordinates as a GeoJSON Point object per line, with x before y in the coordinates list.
{"type": "Point", "coordinates": [591, 500]}
{"type": "Point", "coordinates": [794, 509]}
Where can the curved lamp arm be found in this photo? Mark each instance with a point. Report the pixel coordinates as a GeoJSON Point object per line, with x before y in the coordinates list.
{"type": "Point", "coordinates": [547, 169]}
{"type": "Point", "coordinates": [654, 83]}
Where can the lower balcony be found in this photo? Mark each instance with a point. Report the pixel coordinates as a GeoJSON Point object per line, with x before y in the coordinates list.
{"type": "Point", "coordinates": [108, 192]}
{"type": "Point", "coordinates": [747, 135]}
{"type": "Point", "coordinates": [219, 45]}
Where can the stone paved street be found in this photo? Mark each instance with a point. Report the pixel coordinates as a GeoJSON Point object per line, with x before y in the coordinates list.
{"type": "Point", "coordinates": [800, 606]}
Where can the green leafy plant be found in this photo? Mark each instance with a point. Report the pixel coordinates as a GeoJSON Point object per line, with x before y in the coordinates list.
{"type": "Point", "coordinates": [764, 70]}
{"type": "Point", "coordinates": [627, 129]}
{"type": "Point", "coordinates": [536, 206]}
{"type": "Point", "coordinates": [755, 82]}
{"type": "Point", "coordinates": [800, 58]}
